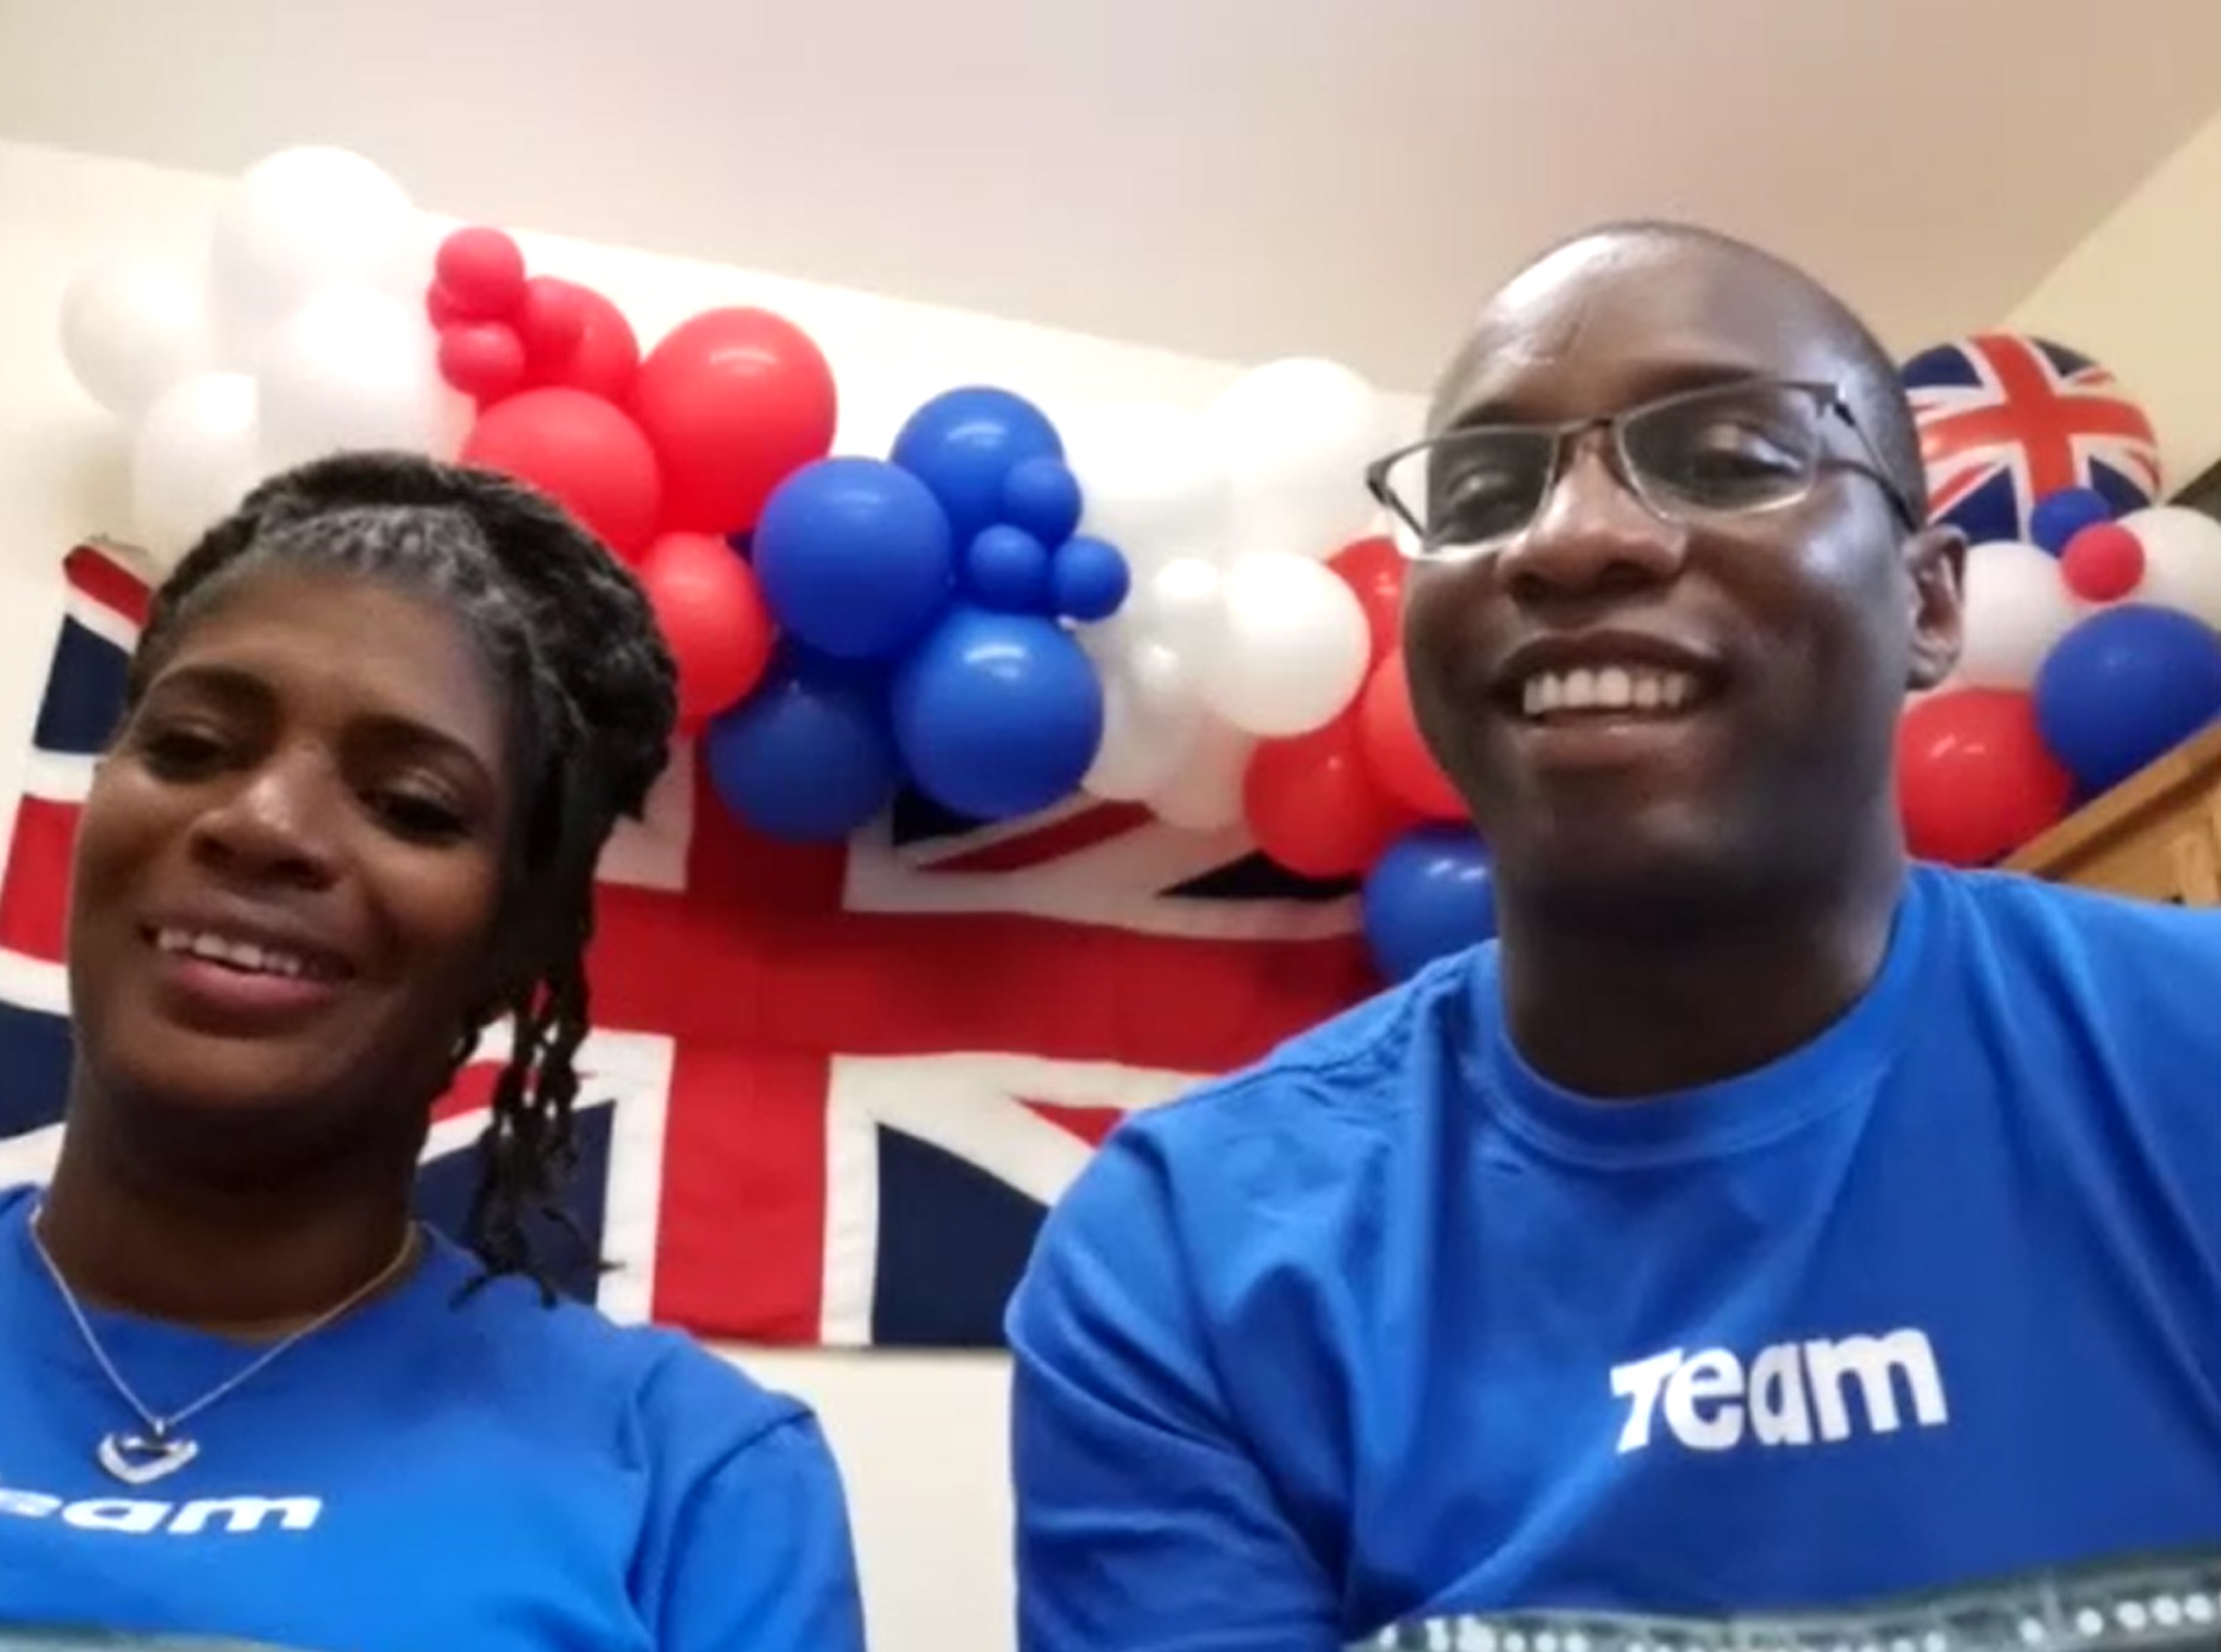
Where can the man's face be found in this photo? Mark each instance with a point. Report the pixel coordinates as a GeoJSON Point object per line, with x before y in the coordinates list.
{"type": "Point", "coordinates": [1642, 704]}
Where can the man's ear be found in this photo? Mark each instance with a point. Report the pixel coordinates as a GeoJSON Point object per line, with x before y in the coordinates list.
{"type": "Point", "coordinates": [1935, 570]}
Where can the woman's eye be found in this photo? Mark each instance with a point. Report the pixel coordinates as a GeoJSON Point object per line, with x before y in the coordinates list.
{"type": "Point", "coordinates": [179, 752]}
{"type": "Point", "coordinates": [417, 815]}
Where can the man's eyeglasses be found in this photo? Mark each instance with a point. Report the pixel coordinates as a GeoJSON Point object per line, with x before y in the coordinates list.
{"type": "Point", "coordinates": [1725, 450]}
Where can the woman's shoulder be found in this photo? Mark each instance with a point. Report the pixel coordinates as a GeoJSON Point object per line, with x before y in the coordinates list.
{"type": "Point", "coordinates": [655, 1381]}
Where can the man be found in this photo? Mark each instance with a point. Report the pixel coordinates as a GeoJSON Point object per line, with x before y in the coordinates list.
{"type": "Point", "coordinates": [1762, 1226]}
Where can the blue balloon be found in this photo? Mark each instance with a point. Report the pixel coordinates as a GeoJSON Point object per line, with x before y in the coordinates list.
{"type": "Point", "coordinates": [1007, 568]}
{"type": "Point", "coordinates": [2123, 687]}
{"type": "Point", "coordinates": [2059, 515]}
{"type": "Point", "coordinates": [855, 557]}
{"type": "Point", "coordinates": [1042, 497]}
{"type": "Point", "coordinates": [805, 759]}
{"type": "Point", "coordinates": [1430, 895]}
{"type": "Point", "coordinates": [1090, 580]}
{"type": "Point", "coordinates": [998, 715]}
{"type": "Point", "coordinates": [963, 444]}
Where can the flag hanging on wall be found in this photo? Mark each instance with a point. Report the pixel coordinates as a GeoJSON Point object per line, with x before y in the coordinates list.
{"type": "Point", "coordinates": [832, 1089]}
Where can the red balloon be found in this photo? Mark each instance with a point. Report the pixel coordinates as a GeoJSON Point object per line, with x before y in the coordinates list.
{"type": "Point", "coordinates": [2103, 563]}
{"type": "Point", "coordinates": [581, 451]}
{"type": "Point", "coordinates": [439, 308]}
{"type": "Point", "coordinates": [715, 621]}
{"type": "Point", "coordinates": [734, 401]}
{"type": "Point", "coordinates": [1373, 568]}
{"type": "Point", "coordinates": [551, 318]}
{"type": "Point", "coordinates": [1399, 758]}
{"type": "Point", "coordinates": [1974, 780]}
{"type": "Point", "coordinates": [584, 341]}
{"type": "Point", "coordinates": [483, 360]}
{"type": "Point", "coordinates": [481, 272]}
{"type": "Point", "coordinates": [1313, 806]}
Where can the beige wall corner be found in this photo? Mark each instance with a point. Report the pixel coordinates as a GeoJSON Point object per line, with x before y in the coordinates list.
{"type": "Point", "coordinates": [2143, 294]}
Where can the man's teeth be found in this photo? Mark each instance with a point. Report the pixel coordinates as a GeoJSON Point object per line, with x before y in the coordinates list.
{"type": "Point", "coordinates": [239, 954]}
{"type": "Point", "coordinates": [1612, 688]}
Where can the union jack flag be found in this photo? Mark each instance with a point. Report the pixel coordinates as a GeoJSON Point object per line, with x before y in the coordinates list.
{"type": "Point", "coordinates": [830, 1089]}
{"type": "Point", "coordinates": [2007, 419]}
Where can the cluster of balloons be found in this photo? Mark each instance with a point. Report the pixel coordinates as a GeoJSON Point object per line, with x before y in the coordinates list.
{"type": "Point", "coordinates": [2092, 648]}
{"type": "Point", "coordinates": [925, 602]}
{"type": "Point", "coordinates": [1190, 610]}
{"type": "Point", "coordinates": [302, 331]}
{"type": "Point", "coordinates": [669, 457]}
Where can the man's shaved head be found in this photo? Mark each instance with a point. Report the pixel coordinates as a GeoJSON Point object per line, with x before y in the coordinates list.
{"type": "Point", "coordinates": [1868, 376]}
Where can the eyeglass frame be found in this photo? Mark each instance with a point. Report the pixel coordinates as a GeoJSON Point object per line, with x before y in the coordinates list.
{"type": "Point", "coordinates": [1827, 397]}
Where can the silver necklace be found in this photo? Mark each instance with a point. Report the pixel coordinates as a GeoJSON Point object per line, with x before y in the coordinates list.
{"type": "Point", "coordinates": [140, 1459]}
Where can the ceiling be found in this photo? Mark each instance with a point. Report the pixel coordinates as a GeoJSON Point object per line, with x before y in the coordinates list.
{"type": "Point", "coordinates": [1235, 179]}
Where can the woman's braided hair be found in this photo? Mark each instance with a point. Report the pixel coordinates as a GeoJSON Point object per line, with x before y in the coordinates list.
{"type": "Point", "coordinates": [593, 699]}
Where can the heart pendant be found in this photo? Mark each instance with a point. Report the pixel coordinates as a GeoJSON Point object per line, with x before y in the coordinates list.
{"type": "Point", "coordinates": [138, 1461]}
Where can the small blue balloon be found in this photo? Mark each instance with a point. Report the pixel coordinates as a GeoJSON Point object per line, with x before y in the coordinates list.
{"type": "Point", "coordinates": [805, 759]}
{"type": "Point", "coordinates": [1042, 497]}
{"type": "Point", "coordinates": [1090, 580]}
{"type": "Point", "coordinates": [998, 715]}
{"type": "Point", "coordinates": [964, 444]}
{"type": "Point", "coordinates": [1007, 568]}
{"type": "Point", "coordinates": [2059, 515]}
{"type": "Point", "coordinates": [1430, 895]}
{"type": "Point", "coordinates": [2123, 687]}
{"type": "Point", "coordinates": [855, 557]}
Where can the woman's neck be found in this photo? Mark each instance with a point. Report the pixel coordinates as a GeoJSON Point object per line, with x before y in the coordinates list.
{"type": "Point", "coordinates": [250, 1263]}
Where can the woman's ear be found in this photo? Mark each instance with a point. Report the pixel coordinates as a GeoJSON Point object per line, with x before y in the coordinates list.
{"type": "Point", "coordinates": [1935, 566]}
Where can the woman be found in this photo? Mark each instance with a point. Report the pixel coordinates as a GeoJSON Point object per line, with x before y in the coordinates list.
{"type": "Point", "coordinates": [380, 725]}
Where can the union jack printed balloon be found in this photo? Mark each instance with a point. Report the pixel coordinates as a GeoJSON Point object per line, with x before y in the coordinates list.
{"type": "Point", "coordinates": [2007, 419]}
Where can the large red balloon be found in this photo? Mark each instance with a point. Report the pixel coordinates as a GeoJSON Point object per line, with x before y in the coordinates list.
{"type": "Point", "coordinates": [1974, 780]}
{"type": "Point", "coordinates": [734, 401]}
{"type": "Point", "coordinates": [714, 620]}
{"type": "Point", "coordinates": [1313, 806]}
{"type": "Point", "coordinates": [1399, 758]}
{"type": "Point", "coordinates": [576, 338]}
{"type": "Point", "coordinates": [1373, 568]}
{"type": "Point", "coordinates": [580, 451]}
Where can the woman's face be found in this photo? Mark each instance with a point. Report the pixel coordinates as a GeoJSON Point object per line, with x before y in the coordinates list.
{"type": "Point", "coordinates": [288, 866]}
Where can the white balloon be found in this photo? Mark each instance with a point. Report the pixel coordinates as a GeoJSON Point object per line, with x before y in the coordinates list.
{"type": "Point", "coordinates": [1162, 681]}
{"type": "Point", "coordinates": [1205, 794]}
{"type": "Point", "coordinates": [2182, 560]}
{"type": "Point", "coordinates": [194, 457]}
{"type": "Point", "coordinates": [355, 369]}
{"type": "Point", "coordinates": [1291, 649]}
{"type": "Point", "coordinates": [130, 332]}
{"type": "Point", "coordinates": [2017, 605]}
{"type": "Point", "coordinates": [1146, 738]}
{"type": "Point", "coordinates": [1150, 481]}
{"type": "Point", "coordinates": [1184, 607]}
{"type": "Point", "coordinates": [1296, 436]}
{"type": "Point", "coordinates": [302, 223]}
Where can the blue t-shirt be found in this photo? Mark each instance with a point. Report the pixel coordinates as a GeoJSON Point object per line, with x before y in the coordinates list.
{"type": "Point", "coordinates": [491, 1477]}
{"type": "Point", "coordinates": [1390, 1328]}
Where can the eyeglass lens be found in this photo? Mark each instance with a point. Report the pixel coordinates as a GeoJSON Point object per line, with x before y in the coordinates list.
{"type": "Point", "coordinates": [1737, 448]}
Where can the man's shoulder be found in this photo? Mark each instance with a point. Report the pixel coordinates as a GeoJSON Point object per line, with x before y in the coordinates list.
{"type": "Point", "coordinates": [2018, 916]}
{"type": "Point", "coordinates": [1367, 1063]}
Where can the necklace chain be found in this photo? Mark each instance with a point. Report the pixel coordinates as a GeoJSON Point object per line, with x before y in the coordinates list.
{"type": "Point", "coordinates": [161, 1427]}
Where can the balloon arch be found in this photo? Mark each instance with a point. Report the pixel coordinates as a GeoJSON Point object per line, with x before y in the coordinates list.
{"type": "Point", "coordinates": [1194, 612]}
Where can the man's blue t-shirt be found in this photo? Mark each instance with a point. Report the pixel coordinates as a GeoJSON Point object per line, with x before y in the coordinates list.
{"type": "Point", "coordinates": [422, 1476]}
{"type": "Point", "coordinates": [1389, 1328]}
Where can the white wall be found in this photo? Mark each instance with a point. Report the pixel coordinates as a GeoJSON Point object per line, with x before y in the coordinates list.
{"type": "Point", "coordinates": [920, 1438]}
{"type": "Point", "coordinates": [2143, 294]}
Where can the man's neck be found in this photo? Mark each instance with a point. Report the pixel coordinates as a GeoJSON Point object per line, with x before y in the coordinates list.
{"type": "Point", "coordinates": [1632, 1008]}
{"type": "Point", "coordinates": [250, 1264]}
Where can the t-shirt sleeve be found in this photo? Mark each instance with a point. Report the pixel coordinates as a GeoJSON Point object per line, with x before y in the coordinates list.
{"type": "Point", "coordinates": [1142, 1520]}
{"type": "Point", "coordinates": [749, 1549]}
